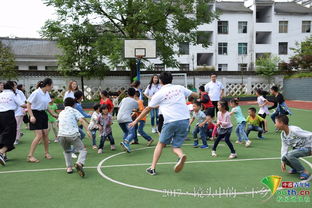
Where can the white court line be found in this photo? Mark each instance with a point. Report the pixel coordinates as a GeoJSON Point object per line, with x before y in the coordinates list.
{"type": "Point", "coordinates": [100, 165]}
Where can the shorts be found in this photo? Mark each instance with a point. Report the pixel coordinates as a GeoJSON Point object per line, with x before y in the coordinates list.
{"type": "Point", "coordinates": [174, 132]}
{"type": "Point", "coordinates": [41, 120]}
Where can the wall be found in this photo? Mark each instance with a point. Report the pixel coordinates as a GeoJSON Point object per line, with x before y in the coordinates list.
{"type": "Point", "coordinates": [298, 89]}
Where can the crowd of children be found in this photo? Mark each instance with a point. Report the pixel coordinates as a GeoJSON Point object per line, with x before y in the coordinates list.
{"type": "Point", "coordinates": [171, 117]}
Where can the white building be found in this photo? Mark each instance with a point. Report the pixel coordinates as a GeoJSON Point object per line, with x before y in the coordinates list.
{"type": "Point", "coordinates": [245, 31]}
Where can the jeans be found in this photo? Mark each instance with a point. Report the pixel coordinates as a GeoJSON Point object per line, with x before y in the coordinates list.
{"type": "Point", "coordinates": [82, 134]}
{"type": "Point", "coordinates": [254, 128]}
{"type": "Point", "coordinates": [154, 116]}
{"type": "Point", "coordinates": [262, 123]}
{"type": "Point", "coordinates": [202, 132]}
{"type": "Point", "coordinates": [67, 143]}
{"type": "Point", "coordinates": [142, 132]}
{"type": "Point", "coordinates": [103, 139]}
{"type": "Point", "coordinates": [226, 137]}
{"type": "Point", "coordinates": [240, 132]}
{"type": "Point", "coordinates": [129, 133]}
{"type": "Point", "coordinates": [282, 109]}
{"type": "Point", "coordinates": [292, 158]}
{"type": "Point", "coordinates": [93, 134]}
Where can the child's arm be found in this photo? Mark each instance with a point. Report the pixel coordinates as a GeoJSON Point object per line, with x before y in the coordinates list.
{"type": "Point", "coordinates": [265, 125]}
{"type": "Point", "coordinates": [85, 125]}
{"type": "Point", "coordinates": [204, 122]}
{"type": "Point", "coordinates": [52, 113]}
{"type": "Point", "coordinates": [192, 120]}
{"type": "Point", "coordinates": [284, 151]}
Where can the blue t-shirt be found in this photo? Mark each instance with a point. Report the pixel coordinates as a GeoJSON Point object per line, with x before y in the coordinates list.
{"type": "Point", "coordinates": [238, 114]}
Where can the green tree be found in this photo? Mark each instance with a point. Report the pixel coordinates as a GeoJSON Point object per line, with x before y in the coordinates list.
{"type": "Point", "coordinates": [94, 30]}
{"type": "Point", "coordinates": [7, 63]}
{"type": "Point", "coordinates": [303, 55]}
{"type": "Point", "coordinates": [267, 66]}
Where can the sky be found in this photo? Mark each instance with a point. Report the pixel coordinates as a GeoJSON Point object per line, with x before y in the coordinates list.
{"type": "Point", "coordinates": [23, 18]}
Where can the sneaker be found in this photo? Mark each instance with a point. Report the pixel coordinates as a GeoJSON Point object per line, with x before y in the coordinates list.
{"type": "Point", "coordinates": [125, 146]}
{"type": "Point", "coordinates": [56, 141]}
{"type": "Point", "coordinates": [233, 155]}
{"type": "Point", "coordinates": [238, 142]}
{"type": "Point", "coordinates": [151, 171]}
{"type": "Point", "coordinates": [248, 143]}
{"type": "Point", "coordinates": [195, 145]}
{"type": "Point", "coordinates": [113, 147]}
{"type": "Point", "coordinates": [16, 142]}
{"type": "Point", "coordinates": [74, 156]}
{"type": "Point", "coordinates": [138, 134]}
{"type": "Point", "coordinates": [149, 143]}
{"type": "Point", "coordinates": [154, 130]}
{"type": "Point", "coordinates": [261, 137]}
{"type": "Point", "coordinates": [180, 164]}
{"type": "Point", "coordinates": [204, 146]}
{"type": "Point", "coordinates": [213, 154]}
{"type": "Point", "coordinates": [5, 157]}
{"type": "Point", "coordinates": [79, 169]}
{"type": "Point", "coordinates": [2, 161]}
{"type": "Point", "coordinates": [94, 147]}
{"type": "Point", "coordinates": [100, 151]}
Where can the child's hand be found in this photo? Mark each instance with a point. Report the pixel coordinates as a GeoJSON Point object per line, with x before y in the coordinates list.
{"type": "Point", "coordinates": [89, 134]}
{"type": "Point", "coordinates": [283, 167]}
{"type": "Point", "coordinates": [200, 125]}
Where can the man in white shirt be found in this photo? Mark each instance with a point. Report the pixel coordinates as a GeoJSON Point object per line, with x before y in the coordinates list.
{"type": "Point", "coordinates": [172, 103]}
{"type": "Point", "coordinates": [215, 90]}
{"type": "Point", "coordinates": [301, 143]}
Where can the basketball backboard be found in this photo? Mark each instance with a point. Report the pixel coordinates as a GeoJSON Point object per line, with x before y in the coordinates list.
{"type": "Point", "coordinates": [140, 48]}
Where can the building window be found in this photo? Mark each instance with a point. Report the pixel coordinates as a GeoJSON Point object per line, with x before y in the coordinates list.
{"type": "Point", "coordinates": [242, 67]}
{"type": "Point", "coordinates": [283, 27]}
{"type": "Point", "coordinates": [242, 27]}
{"type": "Point", "coordinates": [222, 67]}
{"type": "Point", "coordinates": [159, 67]}
{"type": "Point", "coordinates": [203, 37]}
{"type": "Point", "coordinates": [184, 48]}
{"type": "Point", "coordinates": [223, 27]}
{"type": "Point", "coordinates": [184, 67]}
{"type": "Point", "coordinates": [282, 48]}
{"type": "Point", "coordinates": [242, 48]}
{"type": "Point", "coordinates": [222, 48]}
{"type": "Point", "coordinates": [306, 26]}
{"type": "Point", "coordinates": [33, 67]}
{"type": "Point", "coordinates": [51, 68]}
{"type": "Point", "coordinates": [204, 59]}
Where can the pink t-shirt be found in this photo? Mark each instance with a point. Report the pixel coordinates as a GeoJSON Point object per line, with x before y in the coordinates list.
{"type": "Point", "coordinates": [225, 119]}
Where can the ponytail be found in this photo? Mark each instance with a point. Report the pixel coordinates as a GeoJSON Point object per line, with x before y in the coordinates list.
{"type": "Point", "coordinates": [44, 83]}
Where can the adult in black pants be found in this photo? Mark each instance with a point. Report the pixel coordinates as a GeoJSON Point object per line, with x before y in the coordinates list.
{"type": "Point", "coordinates": [215, 91]}
{"type": "Point", "coordinates": [9, 102]}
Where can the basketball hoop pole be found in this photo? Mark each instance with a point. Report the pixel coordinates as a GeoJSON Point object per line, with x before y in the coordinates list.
{"type": "Point", "coordinates": [138, 60]}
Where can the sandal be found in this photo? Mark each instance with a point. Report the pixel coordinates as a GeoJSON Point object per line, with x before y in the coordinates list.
{"type": "Point", "coordinates": [48, 156]}
{"type": "Point", "coordinates": [304, 176]}
{"type": "Point", "coordinates": [292, 171]}
{"type": "Point", "coordinates": [32, 159]}
{"type": "Point", "coordinates": [69, 170]}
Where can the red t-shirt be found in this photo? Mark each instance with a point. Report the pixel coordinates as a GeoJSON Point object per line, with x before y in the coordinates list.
{"type": "Point", "coordinates": [109, 104]}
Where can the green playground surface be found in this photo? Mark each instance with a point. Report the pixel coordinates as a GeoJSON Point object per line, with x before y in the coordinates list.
{"type": "Point", "coordinates": [118, 179]}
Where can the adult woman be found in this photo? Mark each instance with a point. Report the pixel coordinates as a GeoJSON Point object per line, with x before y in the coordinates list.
{"type": "Point", "coordinates": [37, 104]}
{"type": "Point", "coordinates": [19, 113]}
{"type": "Point", "coordinates": [72, 88]}
{"type": "Point", "coordinates": [9, 102]}
{"type": "Point", "coordinates": [151, 89]}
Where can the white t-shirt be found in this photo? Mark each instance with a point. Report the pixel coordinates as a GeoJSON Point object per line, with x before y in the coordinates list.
{"type": "Point", "coordinates": [150, 92]}
{"type": "Point", "coordinates": [264, 109]}
{"type": "Point", "coordinates": [214, 90]}
{"type": "Point", "coordinates": [20, 111]}
{"type": "Point", "coordinates": [172, 103]}
{"type": "Point", "coordinates": [69, 94]}
{"type": "Point", "coordinates": [68, 125]}
{"type": "Point", "coordinates": [39, 100]}
{"type": "Point", "coordinates": [9, 101]}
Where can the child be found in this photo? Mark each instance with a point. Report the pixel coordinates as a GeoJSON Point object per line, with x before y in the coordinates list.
{"type": "Point", "coordinates": [127, 105]}
{"type": "Point", "coordinates": [208, 107]}
{"type": "Point", "coordinates": [105, 122]}
{"type": "Point", "coordinates": [93, 127]}
{"type": "Point", "coordinates": [263, 104]}
{"type": "Point", "coordinates": [224, 129]}
{"type": "Point", "coordinates": [201, 126]}
{"type": "Point", "coordinates": [241, 122]}
{"type": "Point", "coordinates": [69, 136]}
{"type": "Point", "coordinates": [298, 139]}
{"type": "Point", "coordinates": [254, 121]}
{"type": "Point", "coordinates": [116, 105]}
{"type": "Point", "coordinates": [78, 98]}
{"type": "Point", "coordinates": [141, 124]}
{"type": "Point", "coordinates": [279, 104]}
{"type": "Point", "coordinates": [105, 100]}
{"type": "Point", "coordinates": [52, 120]}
